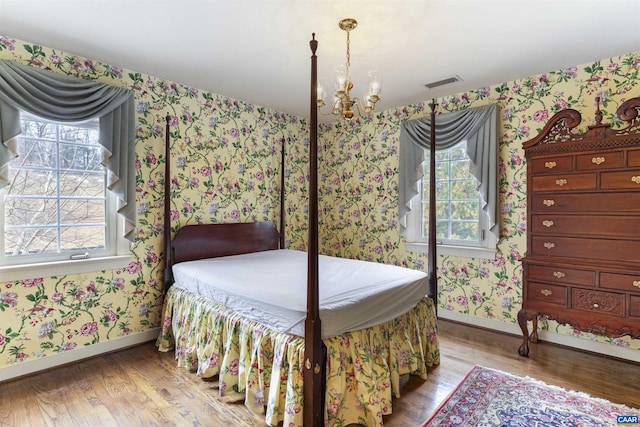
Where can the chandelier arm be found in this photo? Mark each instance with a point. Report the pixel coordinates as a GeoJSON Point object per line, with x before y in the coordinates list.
{"type": "Point", "coordinates": [358, 106]}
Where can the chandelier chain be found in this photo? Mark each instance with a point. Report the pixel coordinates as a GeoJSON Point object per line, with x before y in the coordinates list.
{"type": "Point", "coordinates": [348, 53]}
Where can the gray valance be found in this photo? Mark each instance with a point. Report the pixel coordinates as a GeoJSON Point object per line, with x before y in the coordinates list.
{"type": "Point", "coordinates": [478, 126]}
{"type": "Point", "coordinates": [69, 99]}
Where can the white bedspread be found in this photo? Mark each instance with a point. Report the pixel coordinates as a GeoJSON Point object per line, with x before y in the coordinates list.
{"type": "Point", "coordinates": [270, 287]}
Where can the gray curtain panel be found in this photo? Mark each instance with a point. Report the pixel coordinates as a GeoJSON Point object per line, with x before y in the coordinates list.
{"type": "Point", "coordinates": [69, 99]}
{"type": "Point", "coordinates": [478, 126]}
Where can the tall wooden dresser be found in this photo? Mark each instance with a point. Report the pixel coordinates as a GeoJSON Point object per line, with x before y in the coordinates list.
{"type": "Point", "coordinates": [582, 265]}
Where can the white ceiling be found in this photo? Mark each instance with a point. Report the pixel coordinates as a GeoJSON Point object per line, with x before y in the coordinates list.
{"type": "Point", "coordinates": [258, 50]}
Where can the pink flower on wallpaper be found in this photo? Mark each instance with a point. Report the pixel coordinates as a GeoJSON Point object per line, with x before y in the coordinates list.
{"type": "Point", "coordinates": [561, 104]}
{"type": "Point", "coordinates": [57, 297]}
{"type": "Point", "coordinates": [134, 267]}
{"type": "Point", "coordinates": [2, 340]}
{"type": "Point", "coordinates": [151, 159]}
{"type": "Point", "coordinates": [173, 120]}
{"type": "Point", "coordinates": [476, 297]}
{"type": "Point", "coordinates": [30, 283]}
{"type": "Point", "coordinates": [187, 116]}
{"type": "Point", "coordinates": [235, 214]}
{"type": "Point", "coordinates": [175, 215]}
{"type": "Point", "coordinates": [499, 261]}
{"type": "Point", "coordinates": [152, 257]}
{"type": "Point", "coordinates": [89, 328]}
{"type": "Point", "coordinates": [109, 316]}
{"type": "Point", "coordinates": [205, 170]}
{"type": "Point", "coordinates": [234, 132]}
{"type": "Point", "coordinates": [541, 115]}
{"type": "Point", "coordinates": [516, 160]}
{"type": "Point", "coordinates": [462, 300]}
{"type": "Point", "coordinates": [260, 176]}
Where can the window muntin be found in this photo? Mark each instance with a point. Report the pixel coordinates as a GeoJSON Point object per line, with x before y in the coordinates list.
{"type": "Point", "coordinates": [56, 204]}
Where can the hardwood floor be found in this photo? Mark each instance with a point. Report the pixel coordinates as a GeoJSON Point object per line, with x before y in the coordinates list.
{"type": "Point", "coordinates": [143, 387]}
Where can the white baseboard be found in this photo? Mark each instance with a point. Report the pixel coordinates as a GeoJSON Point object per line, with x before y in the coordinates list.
{"type": "Point", "coordinates": [48, 362]}
{"type": "Point", "coordinates": [566, 340]}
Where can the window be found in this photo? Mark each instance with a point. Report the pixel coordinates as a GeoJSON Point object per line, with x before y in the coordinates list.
{"type": "Point", "coordinates": [56, 206]}
{"type": "Point", "coordinates": [461, 224]}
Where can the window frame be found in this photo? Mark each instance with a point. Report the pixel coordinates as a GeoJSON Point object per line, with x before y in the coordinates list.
{"type": "Point", "coordinates": [486, 247]}
{"type": "Point", "coordinates": [115, 254]}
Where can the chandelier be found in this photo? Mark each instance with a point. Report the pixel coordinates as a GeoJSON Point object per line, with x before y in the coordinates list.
{"type": "Point", "coordinates": [343, 104]}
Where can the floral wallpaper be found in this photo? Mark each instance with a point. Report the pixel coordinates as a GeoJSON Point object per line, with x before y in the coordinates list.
{"type": "Point", "coordinates": [359, 179]}
{"type": "Point", "coordinates": [225, 159]}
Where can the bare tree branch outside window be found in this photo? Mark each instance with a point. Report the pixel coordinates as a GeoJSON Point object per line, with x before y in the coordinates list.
{"type": "Point", "coordinates": [56, 200]}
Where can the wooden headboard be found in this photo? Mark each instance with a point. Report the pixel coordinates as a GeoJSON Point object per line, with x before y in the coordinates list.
{"type": "Point", "coordinates": [202, 241]}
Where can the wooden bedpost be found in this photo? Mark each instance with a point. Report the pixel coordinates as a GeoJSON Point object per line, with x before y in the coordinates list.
{"type": "Point", "coordinates": [432, 275]}
{"type": "Point", "coordinates": [282, 192]}
{"type": "Point", "coordinates": [314, 362]}
{"type": "Point", "coordinates": [168, 274]}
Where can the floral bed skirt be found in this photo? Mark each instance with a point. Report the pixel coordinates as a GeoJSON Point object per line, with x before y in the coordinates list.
{"type": "Point", "coordinates": [363, 367]}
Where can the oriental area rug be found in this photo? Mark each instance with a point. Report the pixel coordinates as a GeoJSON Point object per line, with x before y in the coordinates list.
{"type": "Point", "coordinates": [488, 397]}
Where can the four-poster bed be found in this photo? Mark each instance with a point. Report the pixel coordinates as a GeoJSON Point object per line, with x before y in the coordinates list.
{"type": "Point", "coordinates": [345, 370]}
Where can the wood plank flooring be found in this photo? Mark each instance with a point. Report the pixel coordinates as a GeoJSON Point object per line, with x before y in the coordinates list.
{"type": "Point", "coordinates": [143, 387]}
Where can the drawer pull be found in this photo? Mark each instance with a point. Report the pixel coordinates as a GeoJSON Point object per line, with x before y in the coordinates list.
{"type": "Point", "coordinates": [549, 245]}
{"type": "Point", "coordinates": [546, 292]}
{"type": "Point", "coordinates": [596, 305]}
{"type": "Point", "coordinates": [550, 165]}
{"type": "Point", "coordinates": [548, 202]}
{"type": "Point", "coordinates": [636, 179]}
{"type": "Point", "coordinates": [636, 283]}
{"type": "Point", "coordinates": [597, 160]}
{"type": "Point", "coordinates": [561, 182]}
{"type": "Point", "coordinates": [558, 274]}
{"type": "Point", "coordinates": [547, 223]}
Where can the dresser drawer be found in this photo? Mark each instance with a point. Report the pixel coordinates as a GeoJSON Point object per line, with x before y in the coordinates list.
{"type": "Point", "coordinates": [598, 249]}
{"type": "Point", "coordinates": [598, 302]}
{"type": "Point", "coordinates": [626, 202]}
{"type": "Point", "coordinates": [551, 165]}
{"type": "Point", "coordinates": [564, 182]}
{"type": "Point", "coordinates": [606, 226]}
{"type": "Point", "coordinates": [599, 161]}
{"type": "Point", "coordinates": [634, 306]}
{"type": "Point", "coordinates": [633, 158]}
{"type": "Point", "coordinates": [620, 180]}
{"type": "Point", "coordinates": [623, 282]}
{"type": "Point", "coordinates": [562, 275]}
{"type": "Point", "coordinates": [552, 294]}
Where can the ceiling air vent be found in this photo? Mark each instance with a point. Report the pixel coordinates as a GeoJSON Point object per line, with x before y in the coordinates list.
{"type": "Point", "coordinates": [443, 82]}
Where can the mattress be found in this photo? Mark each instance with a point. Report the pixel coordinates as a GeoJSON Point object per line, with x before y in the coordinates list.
{"type": "Point", "coordinates": [270, 287]}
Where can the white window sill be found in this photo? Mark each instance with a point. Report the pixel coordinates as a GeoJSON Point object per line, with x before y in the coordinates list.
{"type": "Point", "coordinates": [62, 268]}
{"type": "Point", "coordinates": [462, 251]}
